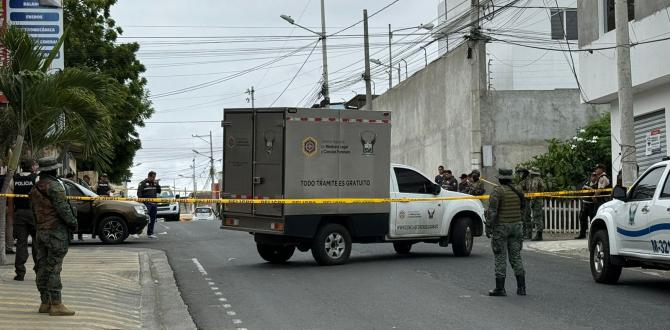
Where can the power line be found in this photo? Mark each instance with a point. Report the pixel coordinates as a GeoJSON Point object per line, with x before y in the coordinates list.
{"type": "Point", "coordinates": [294, 76]}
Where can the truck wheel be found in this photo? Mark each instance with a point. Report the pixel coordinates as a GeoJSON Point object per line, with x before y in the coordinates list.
{"type": "Point", "coordinates": [462, 237]}
{"type": "Point", "coordinates": [113, 230]}
{"type": "Point", "coordinates": [602, 269]}
{"type": "Point", "coordinates": [275, 254]}
{"type": "Point", "coordinates": [402, 247]}
{"type": "Point", "coordinates": [332, 245]}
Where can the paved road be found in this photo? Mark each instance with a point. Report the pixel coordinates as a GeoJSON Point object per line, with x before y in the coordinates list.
{"type": "Point", "coordinates": [229, 286]}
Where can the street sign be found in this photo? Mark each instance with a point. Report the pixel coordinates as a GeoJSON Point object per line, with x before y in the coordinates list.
{"type": "Point", "coordinates": [43, 23]}
{"type": "Point", "coordinates": [653, 142]}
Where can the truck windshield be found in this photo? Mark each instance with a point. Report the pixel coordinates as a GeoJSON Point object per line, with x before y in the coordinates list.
{"type": "Point", "coordinates": [206, 210]}
{"type": "Point", "coordinates": [166, 194]}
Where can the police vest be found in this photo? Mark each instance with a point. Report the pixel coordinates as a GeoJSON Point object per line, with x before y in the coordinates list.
{"type": "Point", "coordinates": [22, 186]}
{"type": "Point", "coordinates": [103, 188]}
{"type": "Point", "coordinates": [509, 205]}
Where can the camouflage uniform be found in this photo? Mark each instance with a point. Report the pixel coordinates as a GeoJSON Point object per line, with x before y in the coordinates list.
{"type": "Point", "coordinates": [526, 216]}
{"type": "Point", "coordinates": [536, 205]}
{"type": "Point", "coordinates": [504, 226]}
{"type": "Point", "coordinates": [55, 219]}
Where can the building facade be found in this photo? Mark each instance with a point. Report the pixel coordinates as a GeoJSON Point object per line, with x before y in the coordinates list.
{"type": "Point", "coordinates": [649, 24]}
{"type": "Point", "coordinates": [511, 67]}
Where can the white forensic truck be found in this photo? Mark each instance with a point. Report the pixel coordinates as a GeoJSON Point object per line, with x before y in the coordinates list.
{"type": "Point", "coordinates": [294, 153]}
{"type": "Point", "coordinates": [633, 230]}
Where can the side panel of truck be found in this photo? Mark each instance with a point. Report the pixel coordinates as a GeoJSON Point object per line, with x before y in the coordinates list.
{"type": "Point", "coordinates": [337, 154]}
{"type": "Point", "coordinates": [268, 175]}
{"type": "Point", "coordinates": [238, 151]}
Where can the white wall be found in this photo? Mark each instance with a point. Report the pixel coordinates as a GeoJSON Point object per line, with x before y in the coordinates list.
{"type": "Point", "coordinates": [520, 68]}
{"type": "Point", "coordinates": [649, 62]}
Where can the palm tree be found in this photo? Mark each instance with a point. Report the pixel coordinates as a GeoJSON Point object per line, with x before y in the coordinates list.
{"type": "Point", "coordinates": [51, 108]}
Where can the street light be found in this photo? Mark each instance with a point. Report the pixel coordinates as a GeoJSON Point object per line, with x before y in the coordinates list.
{"type": "Point", "coordinates": [322, 37]}
{"type": "Point", "coordinates": [428, 27]}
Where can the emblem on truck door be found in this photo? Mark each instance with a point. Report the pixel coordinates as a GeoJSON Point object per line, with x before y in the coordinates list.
{"type": "Point", "coordinates": [269, 141]}
{"type": "Point", "coordinates": [368, 140]}
{"type": "Point", "coordinates": [309, 146]}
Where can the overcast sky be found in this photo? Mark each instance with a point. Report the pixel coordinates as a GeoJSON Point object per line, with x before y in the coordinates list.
{"type": "Point", "coordinates": [185, 44]}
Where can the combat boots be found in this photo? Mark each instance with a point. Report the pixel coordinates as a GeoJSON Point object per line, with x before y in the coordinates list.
{"type": "Point", "coordinates": [521, 285]}
{"type": "Point", "coordinates": [58, 309]}
{"type": "Point", "coordinates": [499, 291]}
{"type": "Point", "coordinates": [538, 237]}
{"type": "Point", "coordinates": [45, 306]}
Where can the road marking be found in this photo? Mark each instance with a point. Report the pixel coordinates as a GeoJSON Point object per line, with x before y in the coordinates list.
{"type": "Point", "coordinates": [218, 293]}
{"type": "Point", "coordinates": [166, 227]}
{"type": "Point", "coordinates": [214, 288]}
{"type": "Point", "coordinates": [237, 321]}
{"type": "Point", "coordinates": [231, 313]}
{"type": "Point", "coordinates": [226, 306]}
{"type": "Point", "coordinates": [201, 269]}
{"type": "Point", "coordinates": [211, 283]}
{"type": "Point", "coordinates": [223, 299]}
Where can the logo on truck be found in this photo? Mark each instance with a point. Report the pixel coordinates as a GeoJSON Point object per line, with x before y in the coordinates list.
{"type": "Point", "coordinates": [368, 140]}
{"type": "Point", "coordinates": [269, 141]}
{"type": "Point", "coordinates": [310, 146]}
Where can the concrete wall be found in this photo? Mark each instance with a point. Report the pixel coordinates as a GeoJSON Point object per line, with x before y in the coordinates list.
{"type": "Point", "coordinates": [518, 123]}
{"type": "Point", "coordinates": [588, 20]}
{"type": "Point", "coordinates": [646, 8]}
{"type": "Point", "coordinates": [431, 113]}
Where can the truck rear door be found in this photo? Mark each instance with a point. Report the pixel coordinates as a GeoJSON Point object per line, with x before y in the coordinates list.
{"type": "Point", "coordinates": [268, 179]}
{"type": "Point", "coordinates": [238, 137]}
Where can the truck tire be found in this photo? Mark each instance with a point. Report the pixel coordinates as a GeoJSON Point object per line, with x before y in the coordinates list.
{"type": "Point", "coordinates": [113, 230]}
{"type": "Point", "coordinates": [332, 245]}
{"type": "Point", "coordinates": [602, 268]}
{"type": "Point", "coordinates": [275, 254]}
{"type": "Point", "coordinates": [462, 237]}
{"type": "Point", "coordinates": [402, 247]}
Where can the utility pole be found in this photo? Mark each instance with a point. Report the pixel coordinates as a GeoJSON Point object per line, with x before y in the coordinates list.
{"type": "Point", "coordinates": [628, 158]}
{"type": "Point", "coordinates": [476, 53]}
{"type": "Point", "coordinates": [195, 186]}
{"type": "Point", "coordinates": [366, 75]}
{"type": "Point", "coordinates": [390, 59]}
{"type": "Point", "coordinates": [326, 92]}
{"type": "Point", "coordinates": [251, 97]}
{"type": "Point", "coordinates": [212, 170]}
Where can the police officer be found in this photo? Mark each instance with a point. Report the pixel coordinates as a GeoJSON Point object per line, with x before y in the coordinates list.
{"type": "Point", "coordinates": [464, 184]}
{"type": "Point", "coordinates": [24, 222]}
{"type": "Point", "coordinates": [588, 210]}
{"type": "Point", "coordinates": [476, 187]}
{"type": "Point", "coordinates": [450, 183]}
{"type": "Point", "coordinates": [439, 178]}
{"type": "Point", "coordinates": [55, 219]}
{"type": "Point", "coordinates": [503, 226]}
{"type": "Point", "coordinates": [150, 188]}
{"type": "Point", "coordinates": [103, 188]}
{"type": "Point", "coordinates": [536, 204]}
{"type": "Point", "coordinates": [524, 175]}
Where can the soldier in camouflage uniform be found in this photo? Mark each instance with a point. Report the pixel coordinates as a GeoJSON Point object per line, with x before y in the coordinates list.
{"type": "Point", "coordinates": [524, 174]}
{"type": "Point", "coordinates": [476, 187]}
{"type": "Point", "coordinates": [536, 185]}
{"type": "Point", "coordinates": [55, 220]}
{"type": "Point", "coordinates": [503, 226]}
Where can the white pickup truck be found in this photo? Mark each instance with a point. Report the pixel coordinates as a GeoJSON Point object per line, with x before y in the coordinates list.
{"type": "Point", "coordinates": [633, 230]}
{"type": "Point", "coordinates": [302, 154]}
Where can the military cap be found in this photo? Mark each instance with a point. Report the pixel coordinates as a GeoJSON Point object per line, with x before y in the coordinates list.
{"type": "Point", "coordinates": [48, 164]}
{"type": "Point", "coordinates": [505, 174]}
{"type": "Point", "coordinates": [463, 176]}
{"type": "Point", "coordinates": [475, 172]}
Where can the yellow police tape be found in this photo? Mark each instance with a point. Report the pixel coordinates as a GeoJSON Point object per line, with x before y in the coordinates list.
{"type": "Point", "coordinates": [556, 194]}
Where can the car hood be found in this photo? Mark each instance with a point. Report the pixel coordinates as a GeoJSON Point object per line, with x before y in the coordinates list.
{"type": "Point", "coordinates": [118, 203]}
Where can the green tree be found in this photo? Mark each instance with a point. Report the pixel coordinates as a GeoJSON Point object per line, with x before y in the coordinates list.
{"type": "Point", "coordinates": [48, 109]}
{"type": "Point", "coordinates": [92, 42]}
{"type": "Point", "coordinates": [568, 162]}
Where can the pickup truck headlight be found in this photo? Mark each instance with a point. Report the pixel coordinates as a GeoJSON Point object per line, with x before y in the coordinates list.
{"type": "Point", "coordinates": [141, 209]}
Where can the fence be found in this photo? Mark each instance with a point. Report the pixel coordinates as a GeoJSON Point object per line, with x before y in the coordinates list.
{"type": "Point", "coordinates": [562, 215]}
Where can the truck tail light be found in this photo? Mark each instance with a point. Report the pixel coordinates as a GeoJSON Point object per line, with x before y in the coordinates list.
{"type": "Point", "coordinates": [232, 222]}
{"type": "Point", "coordinates": [277, 226]}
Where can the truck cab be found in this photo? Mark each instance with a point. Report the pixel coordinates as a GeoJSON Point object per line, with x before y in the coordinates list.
{"type": "Point", "coordinates": [633, 230]}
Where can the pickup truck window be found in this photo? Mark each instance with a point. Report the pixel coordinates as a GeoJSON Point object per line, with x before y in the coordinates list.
{"type": "Point", "coordinates": [646, 187]}
{"type": "Point", "coordinates": [412, 182]}
{"type": "Point", "coordinates": [71, 190]}
{"type": "Point", "coordinates": [665, 193]}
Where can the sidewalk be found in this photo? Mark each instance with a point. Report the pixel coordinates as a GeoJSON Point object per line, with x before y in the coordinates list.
{"type": "Point", "coordinates": [572, 247]}
{"type": "Point", "coordinates": [109, 288]}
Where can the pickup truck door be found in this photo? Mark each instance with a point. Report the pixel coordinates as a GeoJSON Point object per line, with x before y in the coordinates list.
{"type": "Point", "coordinates": [634, 217]}
{"type": "Point", "coordinates": [84, 208]}
{"type": "Point", "coordinates": [658, 223]}
{"type": "Point", "coordinates": [414, 219]}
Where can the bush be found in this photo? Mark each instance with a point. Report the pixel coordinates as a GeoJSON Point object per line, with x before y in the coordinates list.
{"type": "Point", "coordinates": [567, 163]}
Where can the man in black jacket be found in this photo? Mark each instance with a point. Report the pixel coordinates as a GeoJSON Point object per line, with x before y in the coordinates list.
{"type": "Point", "coordinates": [150, 188]}
{"type": "Point", "coordinates": [24, 222]}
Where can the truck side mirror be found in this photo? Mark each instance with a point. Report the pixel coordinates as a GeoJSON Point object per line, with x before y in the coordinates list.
{"type": "Point", "coordinates": [176, 196]}
{"type": "Point", "coordinates": [620, 193]}
{"type": "Point", "coordinates": [437, 189]}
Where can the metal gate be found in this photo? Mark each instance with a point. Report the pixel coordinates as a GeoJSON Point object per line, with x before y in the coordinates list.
{"type": "Point", "coordinates": [650, 139]}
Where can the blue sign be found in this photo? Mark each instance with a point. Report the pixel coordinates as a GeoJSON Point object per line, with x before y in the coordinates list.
{"type": "Point", "coordinates": [34, 17]}
{"type": "Point", "coordinates": [24, 4]}
{"type": "Point", "coordinates": [47, 41]}
{"type": "Point", "coordinates": [40, 29]}
{"type": "Point", "coordinates": [47, 52]}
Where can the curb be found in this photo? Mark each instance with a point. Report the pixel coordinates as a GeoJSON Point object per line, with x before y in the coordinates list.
{"type": "Point", "coordinates": [162, 304]}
